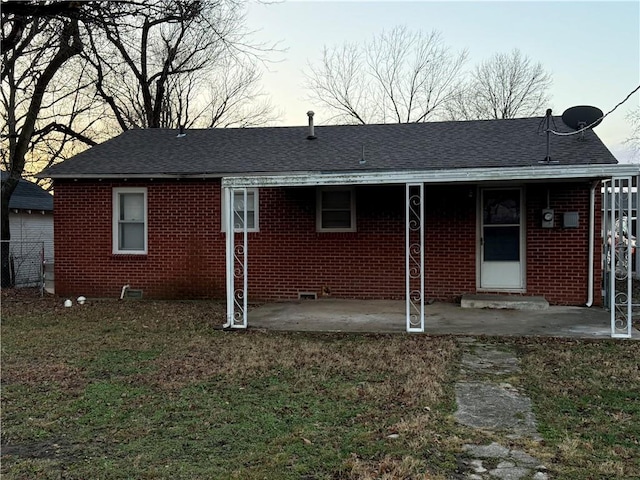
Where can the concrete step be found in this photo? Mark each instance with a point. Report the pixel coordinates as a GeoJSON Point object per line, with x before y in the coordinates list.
{"type": "Point", "coordinates": [504, 302]}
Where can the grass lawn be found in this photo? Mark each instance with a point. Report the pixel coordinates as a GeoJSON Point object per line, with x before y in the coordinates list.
{"type": "Point", "coordinates": [149, 389]}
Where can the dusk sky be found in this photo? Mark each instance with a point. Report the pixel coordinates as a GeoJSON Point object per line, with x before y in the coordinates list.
{"type": "Point", "coordinates": [591, 49]}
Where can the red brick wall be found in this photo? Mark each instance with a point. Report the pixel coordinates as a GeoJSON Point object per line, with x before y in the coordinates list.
{"type": "Point", "coordinates": [185, 258]}
{"type": "Point", "coordinates": [186, 247]}
{"type": "Point", "coordinates": [450, 241]}
{"type": "Point", "coordinates": [557, 258]}
{"type": "Point", "coordinates": [288, 256]}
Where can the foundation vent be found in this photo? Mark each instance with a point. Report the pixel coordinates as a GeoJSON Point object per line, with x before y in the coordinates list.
{"type": "Point", "coordinates": [307, 296]}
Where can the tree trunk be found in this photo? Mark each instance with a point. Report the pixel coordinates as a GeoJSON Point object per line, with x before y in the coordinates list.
{"type": "Point", "coordinates": [70, 45]}
{"type": "Point", "coordinates": [8, 186]}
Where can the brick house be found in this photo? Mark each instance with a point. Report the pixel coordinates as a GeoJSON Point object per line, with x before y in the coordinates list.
{"type": "Point", "coordinates": [398, 211]}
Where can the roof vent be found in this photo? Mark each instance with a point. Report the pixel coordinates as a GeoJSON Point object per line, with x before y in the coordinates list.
{"type": "Point", "coordinates": [311, 135]}
{"type": "Point", "coordinates": [182, 132]}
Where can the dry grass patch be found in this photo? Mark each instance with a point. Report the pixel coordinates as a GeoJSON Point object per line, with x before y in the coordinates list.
{"type": "Point", "coordinates": [586, 397]}
{"type": "Point", "coordinates": [389, 468]}
{"type": "Point", "coordinates": [403, 368]}
{"type": "Point", "coordinates": [151, 390]}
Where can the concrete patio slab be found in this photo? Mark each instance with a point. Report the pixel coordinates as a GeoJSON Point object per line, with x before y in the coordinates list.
{"type": "Point", "coordinates": [387, 316]}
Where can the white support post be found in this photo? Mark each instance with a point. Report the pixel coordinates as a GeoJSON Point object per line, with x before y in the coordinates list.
{"type": "Point", "coordinates": [228, 227]}
{"type": "Point", "coordinates": [245, 257]}
{"type": "Point", "coordinates": [414, 256]}
{"type": "Point", "coordinates": [635, 205]}
{"type": "Point", "coordinates": [237, 260]}
{"type": "Point", "coordinates": [605, 243]}
{"type": "Point", "coordinates": [621, 268]}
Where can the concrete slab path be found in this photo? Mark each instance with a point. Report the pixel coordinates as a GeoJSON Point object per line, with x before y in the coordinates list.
{"type": "Point", "coordinates": [486, 402]}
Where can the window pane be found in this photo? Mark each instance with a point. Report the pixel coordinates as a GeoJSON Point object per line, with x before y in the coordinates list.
{"type": "Point", "coordinates": [251, 220]}
{"type": "Point", "coordinates": [132, 207]}
{"type": "Point", "coordinates": [336, 219]}
{"type": "Point", "coordinates": [131, 236]}
{"type": "Point", "coordinates": [502, 244]}
{"type": "Point", "coordinates": [238, 205]}
{"type": "Point", "coordinates": [238, 202]}
{"type": "Point", "coordinates": [339, 200]}
{"type": "Point", "coordinates": [502, 207]}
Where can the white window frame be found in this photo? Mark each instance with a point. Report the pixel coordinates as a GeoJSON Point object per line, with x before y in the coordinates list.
{"type": "Point", "coordinates": [117, 191]}
{"type": "Point", "coordinates": [319, 209]}
{"type": "Point", "coordinates": [256, 210]}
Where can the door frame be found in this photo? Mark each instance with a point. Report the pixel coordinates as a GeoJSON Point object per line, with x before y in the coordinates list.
{"type": "Point", "coordinates": [479, 247]}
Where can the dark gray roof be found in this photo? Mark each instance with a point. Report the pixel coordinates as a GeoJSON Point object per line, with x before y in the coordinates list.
{"type": "Point", "coordinates": [337, 148]}
{"type": "Point", "coordinates": [29, 196]}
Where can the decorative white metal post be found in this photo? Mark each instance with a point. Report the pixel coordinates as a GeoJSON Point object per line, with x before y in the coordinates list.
{"type": "Point", "coordinates": [619, 260]}
{"type": "Point", "coordinates": [236, 257]}
{"type": "Point", "coordinates": [414, 256]}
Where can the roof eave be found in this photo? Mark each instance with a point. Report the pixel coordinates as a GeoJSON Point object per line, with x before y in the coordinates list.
{"type": "Point", "coordinates": [487, 174]}
{"type": "Point", "coordinates": [126, 176]}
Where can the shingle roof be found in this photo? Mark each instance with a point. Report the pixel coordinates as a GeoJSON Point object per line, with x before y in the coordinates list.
{"type": "Point", "coordinates": [337, 148]}
{"type": "Point", "coordinates": [29, 196]}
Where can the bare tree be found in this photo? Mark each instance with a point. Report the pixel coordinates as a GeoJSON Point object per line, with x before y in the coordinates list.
{"type": "Point", "coordinates": [152, 70]}
{"type": "Point", "coordinates": [232, 97]}
{"type": "Point", "coordinates": [508, 85]}
{"type": "Point", "coordinates": [38, 48]}
{"type": "Point", "coordinates": [146, 60]}
{"type": "Point", "coordinates": [399, 76]}
{"type": "Point", "coordinates": [634, 138]}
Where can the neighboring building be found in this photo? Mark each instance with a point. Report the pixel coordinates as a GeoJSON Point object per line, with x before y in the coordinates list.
{"type": "Point", "coordinates": [331, 211]}
{"type": "Point", "coordinates": [31, 226]}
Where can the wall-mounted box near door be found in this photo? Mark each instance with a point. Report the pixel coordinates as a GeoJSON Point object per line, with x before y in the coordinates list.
{"type": "Point", "coordinates": [570, 220]}
{"type": "Point", "coordinates": [547, 218]}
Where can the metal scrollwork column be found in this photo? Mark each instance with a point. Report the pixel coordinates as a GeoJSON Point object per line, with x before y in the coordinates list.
{"type": "Point", "coordinates": [619, 237]}
{"type": "Point", "coordinates": [414, 249]}
{"type": "Point", "coordinates": [236, 257]}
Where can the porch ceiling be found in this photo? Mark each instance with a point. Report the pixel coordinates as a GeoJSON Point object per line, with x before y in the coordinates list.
{"type": "Point", "coordinates": [538, 173]}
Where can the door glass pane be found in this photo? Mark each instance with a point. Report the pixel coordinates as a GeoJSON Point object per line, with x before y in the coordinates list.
{"type": "Point", "coordinates": [501, 207]}
{"type": "Point", "coordinates": [501, 244]}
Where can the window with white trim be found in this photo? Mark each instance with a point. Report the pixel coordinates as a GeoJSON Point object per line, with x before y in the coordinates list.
{"type": "Point", "coordinates": [336, 209]}
{"type": "Point", "coordinates": [238, 205]}
{"type": "Point", "coordinates": [130, 220]}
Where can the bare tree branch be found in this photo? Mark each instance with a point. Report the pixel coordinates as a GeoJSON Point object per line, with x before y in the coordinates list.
{"type": "Point", "coordinates": [399, 76]}
{"type": "Point", "coordinates": [505, 86]}
{"type": "Point", "coordinates": [634, 139]}
{"type": "Point", "coordinates": [59, 127]}
{"type": "Point", "coordinates": [20, 136]}
{"type": "Point", "coordinates": [141, 62]}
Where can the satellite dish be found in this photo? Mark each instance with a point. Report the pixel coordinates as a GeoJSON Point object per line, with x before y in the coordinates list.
{"type": "Point", "coordinates": [582, 116]}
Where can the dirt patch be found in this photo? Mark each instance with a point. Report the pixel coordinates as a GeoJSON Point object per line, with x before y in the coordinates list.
{"type": "Point", "coordinates": [49, 450]}
{"type": "Point", "coordinates": [35, 374]}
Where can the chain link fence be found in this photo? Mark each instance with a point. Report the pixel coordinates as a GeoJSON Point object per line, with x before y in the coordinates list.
{"type": "Point", "coordinates": [26, 263]}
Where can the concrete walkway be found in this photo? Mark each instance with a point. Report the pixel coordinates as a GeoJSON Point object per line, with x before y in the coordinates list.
{"type": "Point", "coordinates": [485, 402]}
{"type": "Point", "coordinates": [334, 315]}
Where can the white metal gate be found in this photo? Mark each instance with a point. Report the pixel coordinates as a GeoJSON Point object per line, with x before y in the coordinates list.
{"type": "Point", "coordinates": [617, 254]}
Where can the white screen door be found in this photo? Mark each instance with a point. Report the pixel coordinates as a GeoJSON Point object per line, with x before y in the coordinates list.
{"type": "Point", "coordinates": [501, 265]}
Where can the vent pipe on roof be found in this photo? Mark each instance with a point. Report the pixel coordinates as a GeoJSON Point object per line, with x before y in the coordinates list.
{"type": "Point", "coordinates": [311, 135]}
{"type": "Point", "coordinates": [181, 133]}
{"type": "Point", "coordinates": [548, 130]}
